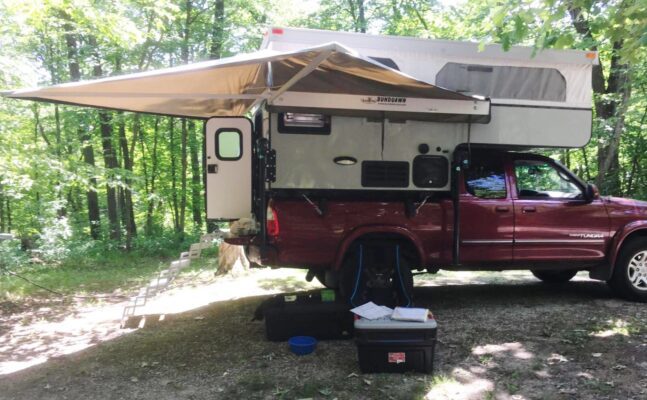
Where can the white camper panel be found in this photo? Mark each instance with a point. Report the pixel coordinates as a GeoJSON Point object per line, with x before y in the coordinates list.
{"type": "Point", "coordinates": [540, 98]}
{"type": "Point", "coordinates": [308, 161]}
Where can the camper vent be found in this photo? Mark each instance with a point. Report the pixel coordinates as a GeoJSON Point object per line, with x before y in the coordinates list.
{"type": "Point", "coordinates": [385, 174]}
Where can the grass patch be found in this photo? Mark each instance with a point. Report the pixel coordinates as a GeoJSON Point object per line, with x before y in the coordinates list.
{"type": "Point", "coordinates": [99, 269]}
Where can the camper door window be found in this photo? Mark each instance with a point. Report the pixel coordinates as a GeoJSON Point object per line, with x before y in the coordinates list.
{"type": "Point", "coordinates": [229, 144]}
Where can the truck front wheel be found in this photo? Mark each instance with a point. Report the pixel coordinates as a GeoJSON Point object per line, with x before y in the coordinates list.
{"type": "Point", "coordinates": [554, 276]}
{"type": "Point", "coordinates": [629, 278]}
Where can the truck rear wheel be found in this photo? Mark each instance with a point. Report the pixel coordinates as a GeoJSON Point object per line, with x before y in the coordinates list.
{"type": "Point", "coordinates": [629, 278]}
{"type": "Point", "coordinates": [554, 276]}
{"type": "Point", "coordinates": [380, 274]}
{"type": "Point", "coordinates": [328, 278]}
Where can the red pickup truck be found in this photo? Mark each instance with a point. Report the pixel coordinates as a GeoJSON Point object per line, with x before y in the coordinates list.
{"type": "Point", "coordinates": [517, 211]}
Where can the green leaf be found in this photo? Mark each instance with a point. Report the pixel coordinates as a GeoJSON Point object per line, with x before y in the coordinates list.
{"type": "Point", "coordinates": [564, 41]}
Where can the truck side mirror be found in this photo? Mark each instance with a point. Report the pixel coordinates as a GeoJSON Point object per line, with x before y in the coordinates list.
{"type": "Point", "coordinates": [591, 192]}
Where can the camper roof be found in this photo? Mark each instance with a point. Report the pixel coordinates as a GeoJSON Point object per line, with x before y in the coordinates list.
{"type": "Point", "coordinates": [521, 75]}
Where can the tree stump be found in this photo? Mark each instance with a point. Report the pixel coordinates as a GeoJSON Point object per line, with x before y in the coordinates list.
{"type": "Point", "coordinates": [231, 260]}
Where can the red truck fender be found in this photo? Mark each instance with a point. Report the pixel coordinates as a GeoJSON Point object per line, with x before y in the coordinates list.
{"type": "Point", "coordinates": [373, 229]}
{"type": "Point", "coordinates": [621, 237]}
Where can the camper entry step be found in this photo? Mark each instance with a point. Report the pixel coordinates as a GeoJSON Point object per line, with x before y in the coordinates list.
{"type": "Point", "coordinates": [385, 345]}
{"type": "Point", "coordinates": [306, 315]}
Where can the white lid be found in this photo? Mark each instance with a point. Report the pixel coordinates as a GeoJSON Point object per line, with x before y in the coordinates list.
{"type": "Point", "coordinates": [388, 323]}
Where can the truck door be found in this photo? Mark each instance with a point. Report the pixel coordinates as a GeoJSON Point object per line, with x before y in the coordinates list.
{"type": "Point", "coordinates": [228, 168]}
{"type": "Point", "coordinates": [487, 216]}
{"type": "Point", "coordinates": [553, 221]}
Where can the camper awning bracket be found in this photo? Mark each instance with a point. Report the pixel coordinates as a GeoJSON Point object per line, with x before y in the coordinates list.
{"type": "Point", "coordinates": [301, 74]}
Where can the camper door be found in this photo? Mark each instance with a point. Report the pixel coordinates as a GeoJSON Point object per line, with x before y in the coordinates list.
{"type": "Point", "coordinates": [228, 167]}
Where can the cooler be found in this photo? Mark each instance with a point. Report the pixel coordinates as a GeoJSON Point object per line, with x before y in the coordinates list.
{"type": "Point", "coordinates": [386, 345]}
{"type": "Point", "coordinates": [307, 314]}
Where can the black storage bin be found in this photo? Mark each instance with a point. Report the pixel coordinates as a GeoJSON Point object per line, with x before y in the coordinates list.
{"type": "Point", "coordinates": [306, 315]}
{"type": "Point", "coordinates": [386, 345]}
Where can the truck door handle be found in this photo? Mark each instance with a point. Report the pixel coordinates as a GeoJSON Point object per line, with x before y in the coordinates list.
{"type": "Point", "coordinates": [528, 209]}
{"type": "Point", "coordinates": [502, 209]}
{"type": "Point", "coordinates": [212, 168]}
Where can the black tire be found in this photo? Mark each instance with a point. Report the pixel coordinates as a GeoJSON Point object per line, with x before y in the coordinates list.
{"type": "Point", "coordinates": [401, 282]}
{"type": "Point", "coordinates": [554, 276]}
{"type": "Point", "coordinates": [321, 277]}
{"type": "Point", "coordinates": [631, 262]}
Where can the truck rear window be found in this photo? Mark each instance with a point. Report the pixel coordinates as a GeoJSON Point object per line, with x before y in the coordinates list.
{"type": "Point", "coordinates": [485, 179]}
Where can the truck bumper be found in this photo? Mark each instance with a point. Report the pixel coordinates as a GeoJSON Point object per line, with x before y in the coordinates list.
{"type": "Point", "coordinates": [261, 255]}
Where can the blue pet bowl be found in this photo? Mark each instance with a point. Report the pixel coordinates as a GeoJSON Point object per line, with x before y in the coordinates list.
{"type": "Point", "coordinates": [302, 345]}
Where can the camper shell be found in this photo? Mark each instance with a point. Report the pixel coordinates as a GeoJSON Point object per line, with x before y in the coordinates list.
{"type": "Point", "coordinates": [324, 140]}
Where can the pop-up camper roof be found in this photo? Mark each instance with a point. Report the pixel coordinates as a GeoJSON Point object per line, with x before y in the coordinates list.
{"type": "Point", "coordinates": [521, 75]}
{"type": "Point", "coordinates": [539, 98]}
{"type": "Point", "coordinates": [330, 75]}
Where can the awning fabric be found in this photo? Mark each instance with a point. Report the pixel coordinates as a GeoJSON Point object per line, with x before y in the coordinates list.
{"type": "Point", "coordinates": [232, 86]}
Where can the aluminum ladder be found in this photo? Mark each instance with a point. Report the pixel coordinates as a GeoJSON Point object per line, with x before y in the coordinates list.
{"type": "Point", "coordinates": [164, 278]}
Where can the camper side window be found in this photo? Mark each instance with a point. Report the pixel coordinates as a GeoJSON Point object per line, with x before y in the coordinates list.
{"type": "Point", "coordinates": [486, 179]}
{"type": "Point", "coordinates": [229, 144]}
{"type": "Point", "coordinates": [503, 81]}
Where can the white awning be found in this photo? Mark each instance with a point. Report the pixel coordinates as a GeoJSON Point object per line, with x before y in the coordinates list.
{"type": "Point", "coordinates": [232, 86]}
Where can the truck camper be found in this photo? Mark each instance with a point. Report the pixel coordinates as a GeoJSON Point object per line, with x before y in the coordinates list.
{"type": "Point", "coordinates": [362, 158]}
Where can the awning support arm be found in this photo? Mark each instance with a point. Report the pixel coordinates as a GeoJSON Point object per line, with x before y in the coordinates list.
{"type": "Point", "coordinates": [301, 74]}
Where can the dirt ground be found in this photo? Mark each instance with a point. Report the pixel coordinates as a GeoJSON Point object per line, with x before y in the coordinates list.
{"type": "Point", "coordinates": [501, 336]}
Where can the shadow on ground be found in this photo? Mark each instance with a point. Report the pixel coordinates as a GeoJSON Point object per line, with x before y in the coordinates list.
{"type": "Point", "coordinates": [496, 340]}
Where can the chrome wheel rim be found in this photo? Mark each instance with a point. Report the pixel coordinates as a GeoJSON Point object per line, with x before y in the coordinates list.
{"type": "Point", "coordinates": [637, 271]}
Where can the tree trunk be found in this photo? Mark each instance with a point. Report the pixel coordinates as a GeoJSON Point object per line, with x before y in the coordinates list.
{"type": "Point", "coordinates": [126, 153]}
{"type": "Point", "coordinates": [609, 155]}
{"type": "Point", "coordinates": [151, 202]}
{"type": "Point", "coordinates": [109, 155]}
{"type": "Point", "coordinates": [8, 206]}
{"type": "Point", "coordinates": [186, 32]}
{"type": "Point", "coordinates": [110, 163]}
{"type": "Point", "coordinates": [611, 102]}
{"type": "Point", "coordinates": [361, 17]}
{"type": "Point", "coordinates": [50, 62]}
{"type": "Point", "coordinates": [217, 30]}
{"type": "Point", "coordinates": [358, 14]}
{"type": "Point", "coordinates": [94, 215]}
{"type": "Point", "coordinates": [3, 223]}
{"type": "Point", "coordinates": [174, 199]}
{"type": "Point", "coordinates": [196, 177]}
{"type": "Point", "coordinates": [183, 177]}
{"type": "Point", "coordinates": [128, 213]}
{"type": "Point", "coordinates": [586, 165]}
{"type": "Point", "coordinates": [635, 159]}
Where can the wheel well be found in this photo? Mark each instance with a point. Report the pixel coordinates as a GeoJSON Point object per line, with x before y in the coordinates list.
{"type": "Point", "coordinates": [408, 249]}
{"type": "Point", "coordinates": [640, 233]}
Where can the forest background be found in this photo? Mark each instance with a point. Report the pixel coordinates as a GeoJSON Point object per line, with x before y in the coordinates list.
{"type": "Point", "coordinates": [102, 191]}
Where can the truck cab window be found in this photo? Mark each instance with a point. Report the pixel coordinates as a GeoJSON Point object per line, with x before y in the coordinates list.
{"type": "Point", "coordinates": [485, 179]}
{"type": "Point", "coordinates": [229, 144]}
{"type": "Point", "coordinates": [541, 180]}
